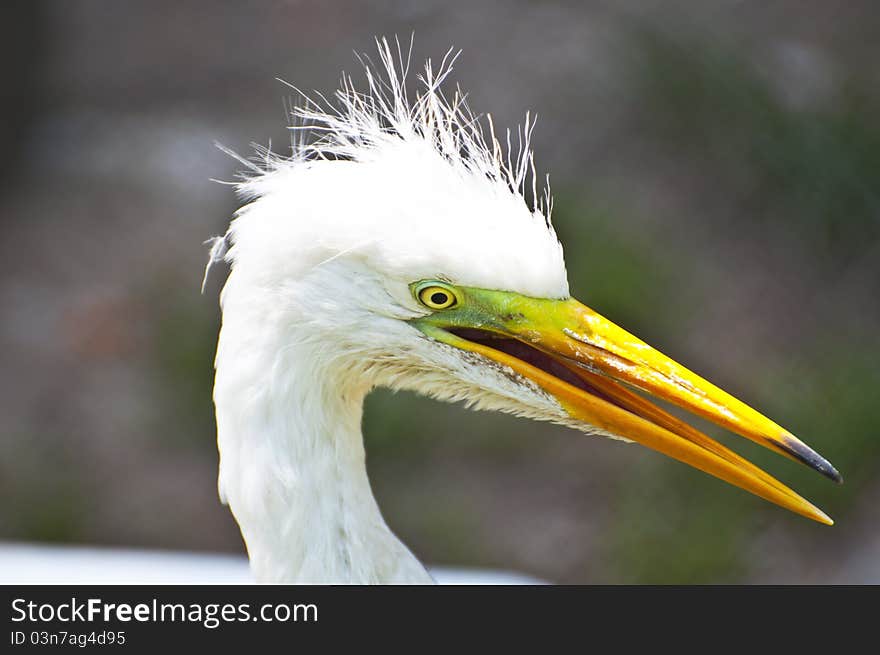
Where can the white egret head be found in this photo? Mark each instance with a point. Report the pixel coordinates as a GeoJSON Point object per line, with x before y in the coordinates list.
{"type": "Point", "coordinates": [402, 246]}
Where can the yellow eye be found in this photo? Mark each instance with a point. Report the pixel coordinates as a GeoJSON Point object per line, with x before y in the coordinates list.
{"type": "Point", "coordinates": [436, 297]}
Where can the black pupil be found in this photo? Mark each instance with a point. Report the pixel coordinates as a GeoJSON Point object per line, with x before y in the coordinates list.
{"type": "Point", "coordinates": [439, 298]}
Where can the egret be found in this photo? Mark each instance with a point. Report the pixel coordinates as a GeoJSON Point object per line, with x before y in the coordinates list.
{"type": "Point", "coordinates": [401, 245]}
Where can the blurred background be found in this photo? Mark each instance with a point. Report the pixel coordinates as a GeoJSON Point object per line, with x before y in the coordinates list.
{"type": "Point", "coordinates": [716, 171]}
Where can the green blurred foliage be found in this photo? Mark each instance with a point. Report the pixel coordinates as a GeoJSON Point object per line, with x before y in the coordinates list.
{"type": "Point", "coordinates": [183, 341]}
{"type": "Point", "coordinates": [817, 173]}
{"type": "Point", "coordinates": [623, 274]}
{"type": "Point", "coordinates": [815, 168]}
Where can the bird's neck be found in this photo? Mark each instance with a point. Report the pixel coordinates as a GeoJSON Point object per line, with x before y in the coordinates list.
{"type": "Point", "coordinates": [293, 470]}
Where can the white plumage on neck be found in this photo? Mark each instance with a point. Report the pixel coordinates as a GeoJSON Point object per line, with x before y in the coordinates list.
{"type": "Point", "coordinates": [316, 306]}
{"type": "Point", "coordinates": [293, 467]}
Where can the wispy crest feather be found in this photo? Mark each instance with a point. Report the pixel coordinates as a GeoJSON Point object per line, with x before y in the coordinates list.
{"type": "Point", "coordinates": [359, 123]}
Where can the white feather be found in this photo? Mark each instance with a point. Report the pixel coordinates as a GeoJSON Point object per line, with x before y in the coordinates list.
{"type": "Point", "coordinates": [316, 303]}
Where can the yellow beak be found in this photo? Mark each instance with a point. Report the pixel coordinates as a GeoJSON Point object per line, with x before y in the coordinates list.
{"type": "Point", "coordinates": [581, 359]}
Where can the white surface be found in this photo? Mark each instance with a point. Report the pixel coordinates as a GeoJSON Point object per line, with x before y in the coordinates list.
{"type": "Point", "coordinates": [39, 564]}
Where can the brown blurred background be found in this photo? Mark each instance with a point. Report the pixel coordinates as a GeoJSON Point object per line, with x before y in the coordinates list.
{"type": "Point", "coordinates": [717, 180]}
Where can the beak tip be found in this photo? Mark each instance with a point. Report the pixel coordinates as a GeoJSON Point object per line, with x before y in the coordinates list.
{"type": "Point", "coordinates": [832, 474]}
{"type": "Point", "coordinates": [827, 520]}
{"type": "Point", "coordinates": [817, 514]}
{"type": "Point", "coordinates": [806, 455]}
